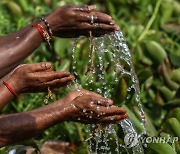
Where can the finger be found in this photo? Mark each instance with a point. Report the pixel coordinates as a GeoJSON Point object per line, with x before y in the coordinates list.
{"type": "Point", "coordinates": [96, 29]}
{"type": "Point", "coordinates": [86, 33]}
{"type": "Point", "coordinates": [85, 92]}
{"type": "Point", "coordinates": [111, 111]}
{"type": "Point", "coordinates": [84, 8]}
{"type": "Point", "coordinates": [49, 76]}
{"type": "Point", "coordinates": [67, 79]}
{"type": "Point", "coordinates": [95, 33]}
{"type": "Point", "coordinates": [60, 82]}
{"type": "Point", "coordinates": [42, 66]}
{"type": "Point", "coordinates": [98, 17]}
{"type": "Point", "coordinates": [98, 99]}
{"type": "Point", "coordinates": [102, 18]}
{"type": "Point", "coordinates": [86, 27]}
{"type": "Point", "coordinates": [105, 102]}
{"type": "Point", "coordinates": [95, 17]}
{"type": "Point", "coordinates": [49, 70]}
{"type": "Point", "coordinates": [113, 119]}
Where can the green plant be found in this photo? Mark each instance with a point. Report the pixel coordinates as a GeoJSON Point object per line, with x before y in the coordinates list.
{"type": "Point", "coordinates": [151, 29]}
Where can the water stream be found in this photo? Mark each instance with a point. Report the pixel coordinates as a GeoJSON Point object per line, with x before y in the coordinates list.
{"type": "Point", "coordinates": [116, 48]}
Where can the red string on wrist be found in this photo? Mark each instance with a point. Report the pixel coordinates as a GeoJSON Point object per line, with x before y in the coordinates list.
{"type": "Point", "coordinates": [10, 89]}
{"type": "Point", "coordinates": [39, 29]}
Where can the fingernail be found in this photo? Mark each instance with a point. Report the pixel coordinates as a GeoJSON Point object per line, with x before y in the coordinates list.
{"type": "Point", "coordinates": [112, 23]}
{"type": "Point", "coordinates": [126, 115]}
{"type": "Point", "coordinates": [48, 65]}
{"type": "Point", "coordinates": [117, 28]}
{"type": "Point", "coordinates": [110, 101]}
{"type": "Point", "coordinates": [72, 77]}
{"type": "Point", "coordinates": [68, 73]}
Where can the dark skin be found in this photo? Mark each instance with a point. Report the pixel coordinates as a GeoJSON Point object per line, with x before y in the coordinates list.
{"type": "Point", "coordinates": [19, 126]}
{"type": "Point", "coordinates": [67, 21]}
{"type": "Point", "coordinates": [33, 78]}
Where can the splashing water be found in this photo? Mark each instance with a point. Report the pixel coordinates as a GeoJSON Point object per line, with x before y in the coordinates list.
{"type": "Point", "coordinates": [115, 46]}
{"type": "Point", "coordinates": [122, 52]}
{"type": "Point", "coordinates": [131, 137]}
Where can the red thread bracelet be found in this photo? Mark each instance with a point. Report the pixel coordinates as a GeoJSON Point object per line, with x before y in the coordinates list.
{"type": "Point", "coordinates": [10, 89]}
{"type": "Point", "coordinates": [39, 29]}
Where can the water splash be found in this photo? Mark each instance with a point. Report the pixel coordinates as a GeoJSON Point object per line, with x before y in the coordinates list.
{"type": "Point", "coordinates": [124, 53]}
{"type": "Point", "coordinates": [120, 52]}
{"type": "Point", "coordinates": [75, 84]}
{"type": "Point", "coordinates": [131, 138]}
{"type": "Point", "coordinates": [121, 59]}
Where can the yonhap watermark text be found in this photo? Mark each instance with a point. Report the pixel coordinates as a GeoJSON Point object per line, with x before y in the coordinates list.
{"type": "Point", "coordinates": [157, 139]}
{"type": "Point", "coordinates": [131, 140]}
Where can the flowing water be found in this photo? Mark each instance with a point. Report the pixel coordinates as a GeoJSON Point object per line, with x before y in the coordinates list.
{"type": "Point", "coordinates": [120, 58]}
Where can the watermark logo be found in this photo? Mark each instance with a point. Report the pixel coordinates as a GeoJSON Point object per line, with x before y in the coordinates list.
{"type": "Point", "coordinates": [131, 140]}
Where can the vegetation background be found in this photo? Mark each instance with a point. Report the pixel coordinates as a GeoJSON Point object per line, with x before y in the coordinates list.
{"type": "Point", "coordinates": [152, 31]}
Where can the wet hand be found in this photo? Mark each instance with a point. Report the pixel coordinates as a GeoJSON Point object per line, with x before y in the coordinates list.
{"type": "Point", "coordinates": [37, 78]}
{"type": "Point", "coordinates": [72, 95]}
{"type": "Point", "coordinates": [93, 108]}
{"type": "Point", "coordinates": [75, 20]}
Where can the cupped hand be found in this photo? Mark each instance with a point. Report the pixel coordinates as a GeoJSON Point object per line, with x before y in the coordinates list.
{"type": "Point", "coordinates": [75, 20]}
{"type": "Point", "coordinates": [72, 95]}
{"type": "Point", "coordinates": [37, 78]}
{"type": "Point", "coordinates": [93, 108]}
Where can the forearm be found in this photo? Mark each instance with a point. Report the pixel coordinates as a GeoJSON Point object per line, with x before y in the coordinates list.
{"type": "Point", "coordinates": [5, 96]}
{"type": "Point", "coordinates": [14, 35]}
{"type": "Point", "coordinates": [21, 126]}
{"type": "Point", "coordinates": [16, 47]}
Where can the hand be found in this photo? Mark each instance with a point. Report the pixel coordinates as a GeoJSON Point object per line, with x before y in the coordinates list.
{"type": "Point", "coordinates": [37, 78]}
{"type": "Point", "coordinates": [72, 95]}
{"type": "Point", "coordinates": [75, 20]}
{"type": "Point", "coordinates": [93, 108]}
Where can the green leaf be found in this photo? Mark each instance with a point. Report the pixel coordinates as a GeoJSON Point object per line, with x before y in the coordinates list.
{"type": "Point", "coordinates": [65, 65]}
{"type": "Point", "coordinates": [156, 51]}
{"type": "Point", "coordinates": [167, 10]}
{"type": "Point", "coordinates": [175, 59]}
{"type": "Point", "coordinates": [61, 47]}
{"type": "Point", "coordinates": [162, 148]}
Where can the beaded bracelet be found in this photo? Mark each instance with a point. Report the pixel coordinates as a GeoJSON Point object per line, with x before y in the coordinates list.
{"type": "Point", "coordinates": [44, 34]}
{"type": "Point", "coordinates": [47, 25]}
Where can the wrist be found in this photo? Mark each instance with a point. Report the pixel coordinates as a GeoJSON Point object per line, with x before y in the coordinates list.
{"type": "Point", "coordinates": [13, 84]}
{"type": "Point", "coordinates": [67, 109]}
{"type": "Point", "coordinates": [50, 22]}
{"type": "Point", "coordinates": [48, 27]}
{"type": "Point", "coordinates": [42, 24]}
{"type": "Point", "coordinates": [10, 89]}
